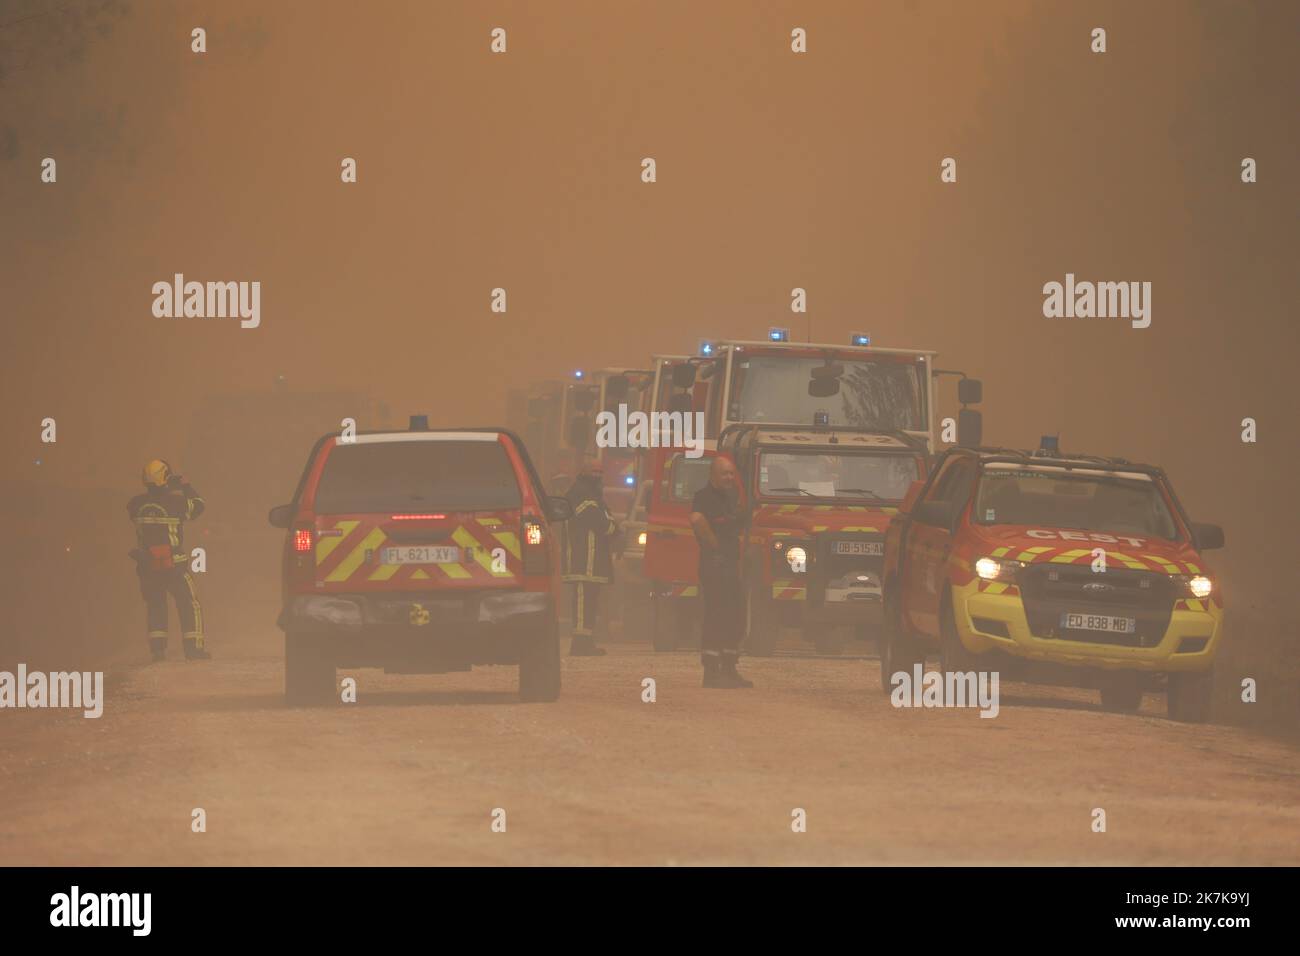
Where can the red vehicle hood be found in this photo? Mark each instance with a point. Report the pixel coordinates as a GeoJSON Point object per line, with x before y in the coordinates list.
{"type": "Point", "coordinates": [811, 519]}
{"type": "Point", "coordinates": [1031, 543]}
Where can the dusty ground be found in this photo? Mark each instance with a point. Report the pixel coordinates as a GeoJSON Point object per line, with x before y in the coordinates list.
{"type": "Point", "coordinates": [411, 773]}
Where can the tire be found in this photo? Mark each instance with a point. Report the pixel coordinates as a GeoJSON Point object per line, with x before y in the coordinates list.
{"type": "Point", "coordinates": [308, 670]}
{"type": "Point", "coordinates": [1121, 693]}
{"type": "Point", "coordinates": [665, 627]}
{"type": "Point", "coordinates": [539, 668]}
{"type": "Point", "coordinates": [762, 626]}
{"type": "Point", "coordinates": [826, 638]}
{"type": "Point", "coordinates": [898, 651]}
{"type": "Point", "coordinates": [953, 656]}
{"type": "Point", "coordinates": [1190, 697]}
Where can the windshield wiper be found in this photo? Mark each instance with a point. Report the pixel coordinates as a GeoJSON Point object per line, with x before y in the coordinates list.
{"type": "Point", "coordinates": [802, 491]}
{"type": "Point", "coordinates": [858, 491]}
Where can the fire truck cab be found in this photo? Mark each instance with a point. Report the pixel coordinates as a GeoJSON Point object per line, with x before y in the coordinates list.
{"type": "Point", "coordinates": [827, 439]}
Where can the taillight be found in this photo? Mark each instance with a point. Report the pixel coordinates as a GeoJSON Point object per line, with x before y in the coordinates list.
{"type": "Point", "coordinates": [536, 552]}
{"type": "Point", "coordinates": [302, 539]}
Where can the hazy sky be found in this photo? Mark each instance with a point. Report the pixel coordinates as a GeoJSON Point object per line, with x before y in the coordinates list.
{"type": "Point", "coordinates": [775, 170]}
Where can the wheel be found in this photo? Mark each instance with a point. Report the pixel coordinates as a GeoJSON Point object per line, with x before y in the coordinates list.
{"type": "Point", "coordinates": [898, 651]}
{"type": "Point", "coordinates": [1190, 697]}
{"type": "Point", "coordinates": [539, 667]}
{"type": "Point", "coordinates": [826, 638]}
{"type": "Point", "coordinates": [1121, 692]}
{"type": "Point", "coordinates": [762, 626]}
{"type": "Point", "coordinates": [308, 670]}
{"type": "Point", "coordinates": [665, 627]}
{"type": "Point", "coordinates": [953, 655]}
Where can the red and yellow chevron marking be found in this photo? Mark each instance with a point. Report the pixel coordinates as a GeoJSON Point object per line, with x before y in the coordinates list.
{"type": "Point", "coordinates": [680, 590]}
{"type": "Point", "coordinates": [352, 557]}
{"type": "Point", "coordinates": [1135, 562]}
{"type": "Point", "coordinates": [788, 591]}
{"type": "Point", "coordinates": [998, 587]}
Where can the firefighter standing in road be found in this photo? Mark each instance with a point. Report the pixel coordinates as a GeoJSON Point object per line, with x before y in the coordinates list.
{"type": "Point", "coordinates": [715, 517]}
{"type": "Point", "coordinates": [162, 563]}
{"type": "Point", "coordinates": [588, 561]}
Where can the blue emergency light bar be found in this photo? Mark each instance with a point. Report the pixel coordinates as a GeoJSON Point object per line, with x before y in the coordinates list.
{"type": "Point", "coordinates": [706, 348]}
{"type": "Point", "coordinates": [860, 338]}
{"type": "Point", "coordinates": [1050, 444]}
{"type": "Point", "coordinates": [629, 479]}
{"type": "Point", "coordinates": [577, 373]}
{"type": "Point", "coordinates": [778, 335]}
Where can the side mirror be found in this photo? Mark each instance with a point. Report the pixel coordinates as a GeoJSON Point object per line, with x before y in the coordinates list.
{"type": "Point", "coordinates": [970, 391]}
{"type": "Point", "coordinates": [823, 387]}
{"type": "Point", "coordinates": [936, 514]}
{"type": "Point", "coordinates": [970, 428]}
{"type": "Point", "coordinates": [281, 516]}
{"type": "Point", "coordinates": [1207, 536]}
{"type": "Point", "coordinates": [913, 493]}
{"type": "Point", "coordinates": [683, 376]}
{"type": "Point", "coordinates": [558, 508]}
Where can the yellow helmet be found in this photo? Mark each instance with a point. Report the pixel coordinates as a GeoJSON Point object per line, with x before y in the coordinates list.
{"type": "Point", "coordinates": [156, 473]}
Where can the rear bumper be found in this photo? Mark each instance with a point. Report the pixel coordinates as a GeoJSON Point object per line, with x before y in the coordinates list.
{"type": "Point", "coordinates": [381, 629]}
{"type": "Point", "coordinates": [997, 622]}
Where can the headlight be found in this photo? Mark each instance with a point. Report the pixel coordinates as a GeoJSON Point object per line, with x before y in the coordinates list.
{"type": "Point", "coordinates": [640, 539]}
{"type": "Point", "coordinates": [995, 569]}
{"type": "Point", "coordinates": [797, 558]}
{"type": "Point", "coordinates": [1200, 586]}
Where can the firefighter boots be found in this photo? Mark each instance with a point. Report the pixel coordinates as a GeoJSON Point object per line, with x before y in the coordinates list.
{"type": "Point", "coordinates": [158, 648]}
{"type": "Point", "coordinates": [195, 653]}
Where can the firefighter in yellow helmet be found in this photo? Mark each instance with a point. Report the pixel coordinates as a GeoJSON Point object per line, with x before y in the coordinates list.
{"type": "Point", "coordinates": [587, 554]}
{"type": "Point", "coordinates": [162, 563]}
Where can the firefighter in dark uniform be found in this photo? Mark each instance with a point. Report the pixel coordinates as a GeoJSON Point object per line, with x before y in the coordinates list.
{"type": "Point", "coordinates": [588, 558]}
{"type": "Point", "coordinates": [162, 563]}
{"type": "Point", "coordinates": [717, 522]}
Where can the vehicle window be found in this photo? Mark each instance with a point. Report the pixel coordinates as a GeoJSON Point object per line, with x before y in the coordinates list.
{"type": "Point", "coordinates": [836, 475]}
{"type": "Point", "coordinates": [417, 475]}
{"type": "Point", "coordinates": [873, 393]}
{"type": "Point", "coordinates": [944, 487]}
{"type": "Point", "coordinates": [1058, 499]}
{"type": "Point", "coordinates": [688, 476]}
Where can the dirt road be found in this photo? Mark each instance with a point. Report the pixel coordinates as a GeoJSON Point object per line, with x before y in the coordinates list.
{"type": "Point", "coordinates": [411, 773]}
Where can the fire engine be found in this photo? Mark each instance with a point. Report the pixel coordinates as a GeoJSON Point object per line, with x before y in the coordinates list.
{"type": "Point", "coordinates": [827, 439]}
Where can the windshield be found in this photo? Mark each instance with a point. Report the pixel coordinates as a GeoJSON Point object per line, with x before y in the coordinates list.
{"type": "Point", "coordinates": [836, 475]}
{"type": "Point", "coordinates": [417, 476]}
{"type": "Point", "coordinates": [873, 393]}
{"type": "Point", "coordinates": [1060, 499]}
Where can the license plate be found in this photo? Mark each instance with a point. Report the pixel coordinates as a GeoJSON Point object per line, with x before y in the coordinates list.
{"type": "Point", "coordinates": [859, 547]}
{"type": "Point", "coordinates": [1098, 622]}
{"type": "Point", "coordinates": [419, 554]}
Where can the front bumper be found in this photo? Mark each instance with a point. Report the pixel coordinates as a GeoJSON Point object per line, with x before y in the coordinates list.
{"type": "Point", "coordinates": [995, 620]}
